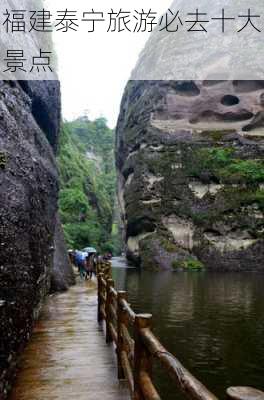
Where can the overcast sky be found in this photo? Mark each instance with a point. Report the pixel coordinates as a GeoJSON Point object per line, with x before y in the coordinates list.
{"type": "Point", "coordinates": [94, 68]}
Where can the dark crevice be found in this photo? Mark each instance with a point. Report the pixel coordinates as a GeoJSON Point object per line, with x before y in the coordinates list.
{"type": "Point", "coordinates": [186, 88]}
{"type": "Point", "coordinates": [40, 112]}
{"type": "Point", "coordinates": [128, 172]}
{"type": "Point", "coordinates": [230, 100]}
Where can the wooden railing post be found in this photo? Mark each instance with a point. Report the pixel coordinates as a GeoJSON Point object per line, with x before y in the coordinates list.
{"type": "Point", "coordinates": [121, 319]}
{"type": "Point", "coordinates": [102, 267]}
{"type": "Point", "coordinates": [99, 300]}
{"type": "Point", "coordinates": [98, 267]}
{"type": "Point", "coordinates": [110, 283]}
{"type": "Point", "coordinates": [107, 270]}
{"type": "Point", "coordinates": [142, 358]}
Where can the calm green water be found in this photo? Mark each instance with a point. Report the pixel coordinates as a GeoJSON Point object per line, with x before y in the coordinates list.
{"type": "Point", "coordinates": [212, 322]}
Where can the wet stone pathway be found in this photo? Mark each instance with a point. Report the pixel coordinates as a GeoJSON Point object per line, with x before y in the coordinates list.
{"type": "Point", "coordinates": [67, 357]}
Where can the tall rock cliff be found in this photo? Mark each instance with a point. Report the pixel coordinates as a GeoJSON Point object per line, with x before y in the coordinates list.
{"type": "Point", "coordinates": [191, 173]}
{"type": "Point", "coordinates": [29, 128]}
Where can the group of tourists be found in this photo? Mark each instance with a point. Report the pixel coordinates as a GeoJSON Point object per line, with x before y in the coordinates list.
{"type": "Point", "coordinates": [86, 261]}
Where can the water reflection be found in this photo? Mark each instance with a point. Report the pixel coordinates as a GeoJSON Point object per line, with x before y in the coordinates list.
{"type": "Point", "coordinates": [213, 322]}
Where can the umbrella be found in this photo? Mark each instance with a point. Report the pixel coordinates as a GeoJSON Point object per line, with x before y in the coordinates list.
{"type": "Point", "coordinates": [90, 250]}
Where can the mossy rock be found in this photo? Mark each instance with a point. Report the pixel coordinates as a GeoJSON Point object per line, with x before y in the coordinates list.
{"type": "Point", "coordinates": [3, 160]}
{"type": "Point", "coordinates": [217, 135]}
{"type": "Point", "coordinates": [245, 196]}
{"type": "Point", "coordinates": [225, 166]}
{"type": "Point", "coordinates": [191, 264]}
{"type": "Point", "coordinates": [177, 264]}
{"type": "Point", "coordinates": [169, 246]}
{"type": "Point", "coordinates": [243, 171]}
{"type": "Point", "coordinates": [231, 200]}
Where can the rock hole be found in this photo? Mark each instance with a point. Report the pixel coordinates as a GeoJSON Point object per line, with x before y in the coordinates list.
{"type": "Point", "coordinates": [187, 88]}
{"type": "Point", "coordinates": [230, 100]}
{"type": "Point", "coordinates": [212, 232]}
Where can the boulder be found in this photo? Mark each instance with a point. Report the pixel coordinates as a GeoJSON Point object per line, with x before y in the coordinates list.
{"type": "Point", "coordinates": [62, 276]}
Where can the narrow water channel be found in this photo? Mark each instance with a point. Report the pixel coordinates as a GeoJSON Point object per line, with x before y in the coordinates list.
{"type": "Point", "coordinates": [212, 322]}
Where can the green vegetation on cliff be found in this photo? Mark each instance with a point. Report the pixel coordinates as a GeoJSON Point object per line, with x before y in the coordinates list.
{"type": "Point", "coordinates": [88, 179]}
{"type": "Point", "coordinates": [241, 194]}
{"type": "Point", "coordinates": [190, 264]}
{"type": "Point", "coordinates": [223, 164]}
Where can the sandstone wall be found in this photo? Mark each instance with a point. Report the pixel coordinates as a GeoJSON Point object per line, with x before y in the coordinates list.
{"type": "Point", "coordinates": [191, 173]}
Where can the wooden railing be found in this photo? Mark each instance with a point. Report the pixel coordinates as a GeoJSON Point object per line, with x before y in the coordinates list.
{"type": "Point", "coordinates": [136, 352]}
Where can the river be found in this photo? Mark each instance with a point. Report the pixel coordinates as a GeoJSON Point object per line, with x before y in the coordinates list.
{"type": "Point", "coordinates": [212, 322]}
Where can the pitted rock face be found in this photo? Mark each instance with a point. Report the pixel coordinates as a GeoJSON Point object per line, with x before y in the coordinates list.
{"type": "Point", "coordinates": [212, 105]}
{"type": "Point", "coordinates": [191, 173]}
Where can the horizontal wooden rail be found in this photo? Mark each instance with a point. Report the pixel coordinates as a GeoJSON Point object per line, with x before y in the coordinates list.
{"type": "Point", "coordinates": [113, 292]}
{"type": "Point", "coordinates": [135, 355]}
{"type": "Point", "coordinates": [128, 310]}
{"type": "Point", "coordinates": [183, 378]}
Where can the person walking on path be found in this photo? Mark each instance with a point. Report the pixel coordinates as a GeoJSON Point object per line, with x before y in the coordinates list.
{"type": "Point", "coordinates": [89, 265]}
{"type": "Point", "coordinates": [81, 263]}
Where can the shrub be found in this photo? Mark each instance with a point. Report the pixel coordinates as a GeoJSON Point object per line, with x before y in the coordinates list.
{"type": "Point", "coordinates": [73, 203]}
{"type": "Point", "coordinates": [224, 166]}
{"type": "Point", "coordinates": [177, 264]}
{"type": "Point", "coordinates": [246, 171]}
{"type": "Point", "coordinates": [189, 264]}
{"type": "Point", "coordinates": [193, 264]}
